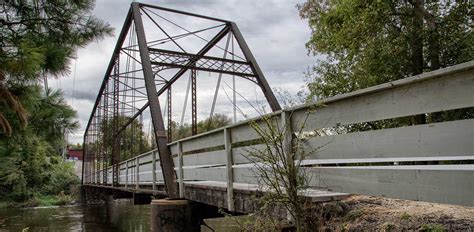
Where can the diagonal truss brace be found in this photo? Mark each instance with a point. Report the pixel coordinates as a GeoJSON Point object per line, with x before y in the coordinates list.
{"type": "Point", "coordinates": [166, 160]}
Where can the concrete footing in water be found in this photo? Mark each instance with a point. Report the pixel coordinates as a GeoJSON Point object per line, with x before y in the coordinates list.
{"type": "Point", "coordinates": [174, 215]}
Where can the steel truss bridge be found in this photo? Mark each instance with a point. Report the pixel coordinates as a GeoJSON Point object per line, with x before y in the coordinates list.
{"type": "Point", "coordinates": [427, 162]}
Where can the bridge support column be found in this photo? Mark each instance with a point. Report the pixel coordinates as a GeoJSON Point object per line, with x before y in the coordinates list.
{"type": "Point", "coordinates": [173, 215]}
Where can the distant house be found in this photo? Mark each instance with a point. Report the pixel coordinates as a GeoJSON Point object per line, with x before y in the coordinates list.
{"type": "Point", "coordinates": [74, 153]}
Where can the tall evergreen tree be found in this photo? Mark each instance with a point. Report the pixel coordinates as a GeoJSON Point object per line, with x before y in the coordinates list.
{"type": "Point", "coordinates": [38, 38]}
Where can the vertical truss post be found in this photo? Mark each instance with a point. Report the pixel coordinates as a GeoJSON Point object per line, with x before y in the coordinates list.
{"type": "Point", "coordinates": [84, 159]}
{"type": "Point", "coordinates": [170, 121]}
{"type": "Point", "coordinates": [166, 160]}
{"type": "Point", "coordinates": [105, 139]}
{"type": "Point", "coordinates": [193, 103]}
{"type": "Point", "coordinates": [84, 152]}
{"type": "Point", "coordinates": [115, 126]}
{"type": "Point", "coordinates": [99, 147]}
{"type": "Point", "coordinates": [88, 165]}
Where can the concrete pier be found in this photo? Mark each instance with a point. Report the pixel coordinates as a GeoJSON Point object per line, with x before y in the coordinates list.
{"type": "Point", "coordinates": [173, 215]}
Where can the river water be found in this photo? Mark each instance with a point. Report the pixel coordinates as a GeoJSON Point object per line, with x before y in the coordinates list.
{"type": "Point", "coordinates": [110, 217]}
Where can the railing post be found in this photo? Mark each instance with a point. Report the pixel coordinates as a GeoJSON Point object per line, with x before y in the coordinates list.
{"type": "Point", "coordinates": [126, 174]}
{"type": "Point", "coordinates": [230, 173]}
{"type": "Point", "coordinates": [287, 132]}
{"type": "Point", "coordinates": [153, 169]}
{"type": "Point", "coordinates": [180, 170]}
{"type": "Point", "coordinates": [137, 172]}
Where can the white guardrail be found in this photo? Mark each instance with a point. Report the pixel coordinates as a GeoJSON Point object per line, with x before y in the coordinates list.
{"type": "Point", "coordinates": [216, 155]}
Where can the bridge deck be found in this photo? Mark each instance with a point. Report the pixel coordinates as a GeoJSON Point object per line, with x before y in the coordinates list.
{"type": "Point", "coordinates": [214, 193]}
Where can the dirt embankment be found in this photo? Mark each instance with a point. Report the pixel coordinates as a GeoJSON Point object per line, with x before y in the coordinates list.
{"type": "Point", "coordinates": [364, 213]}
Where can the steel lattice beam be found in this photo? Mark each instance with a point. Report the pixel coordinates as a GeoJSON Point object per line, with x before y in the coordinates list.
{"type": "Point", "coordinates": [175, 59]}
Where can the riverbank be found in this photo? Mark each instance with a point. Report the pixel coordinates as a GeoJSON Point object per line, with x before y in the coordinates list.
{"type": "Point", "coordinates": [365, 213]}
{"type": "Point", "coordinates": [40, 201]}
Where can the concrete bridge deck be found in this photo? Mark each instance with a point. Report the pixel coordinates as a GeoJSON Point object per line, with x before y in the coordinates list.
{"type": "Point", "coordinates": [214, 193]}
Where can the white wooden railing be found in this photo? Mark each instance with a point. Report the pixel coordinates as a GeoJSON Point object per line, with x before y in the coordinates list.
{"type": "Point", "coordinates": [213, 156]}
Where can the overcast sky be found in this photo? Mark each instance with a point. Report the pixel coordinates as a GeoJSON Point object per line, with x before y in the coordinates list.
{"type": "Point", "coordinates": [273, 30]}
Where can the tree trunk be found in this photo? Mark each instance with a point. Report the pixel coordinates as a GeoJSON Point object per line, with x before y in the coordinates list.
{"type": "Point", "coordinates": [417, 47]}
{"type": "Point", "coordinates": [433, 48]}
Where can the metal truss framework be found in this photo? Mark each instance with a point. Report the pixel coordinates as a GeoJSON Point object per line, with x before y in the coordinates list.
{"type": "Point", "coordinates": [135, 78]}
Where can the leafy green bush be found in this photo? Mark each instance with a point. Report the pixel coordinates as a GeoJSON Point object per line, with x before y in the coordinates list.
{"type": "Point", "coordinates": [61, 177]}
{"type": "Point", "coordinates": [63, 199]}
{"type": "Point", "coordinates": [30, 164]}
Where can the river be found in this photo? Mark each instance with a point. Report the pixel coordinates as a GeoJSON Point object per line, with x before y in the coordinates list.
{"type": "Point", "coordinates": [121, 216]}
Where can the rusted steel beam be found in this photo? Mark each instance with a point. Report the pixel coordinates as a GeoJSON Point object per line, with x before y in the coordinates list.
{"type": "Point", "coordinates": [166, 161]}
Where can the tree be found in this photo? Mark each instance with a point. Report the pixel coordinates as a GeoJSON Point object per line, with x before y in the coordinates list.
{"type": "Point", "coordinates": [54, 120]}
{"type": "Point", "coordinates": [39, 38]}
{"type": "Point", "coordinates": [366, 43]}
{"type": "Point", "coordinates": [208, 124]}
{"type": "Point", "coordinates": [29, 163]}
{"type": "Point", "coordinates": [278, 167]}
{"type": "Point", "coordinates": [75, 146]}
{"type": "Point", "coordinates": [132, 138]}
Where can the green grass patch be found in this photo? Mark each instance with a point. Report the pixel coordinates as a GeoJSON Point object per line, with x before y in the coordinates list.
{"type": "Point", "coordinates": [39, 200]}
{"type": "Point", "coordinates": [47, 200]}
{"type": "Point", "coordinates": [405, 216]}
{"type": "Point", "coordinates": [389, 226]}
{"type": "Point", "coordinates": [432, 228]}
{"type": "Point", "coordinates": [354, 214]}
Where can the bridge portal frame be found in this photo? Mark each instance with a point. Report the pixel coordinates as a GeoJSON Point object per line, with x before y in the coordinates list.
{"type": "Point", "coordinates": [250, 70]}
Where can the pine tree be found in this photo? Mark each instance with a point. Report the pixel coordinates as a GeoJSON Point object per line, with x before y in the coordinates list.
{"type": "Point", "coordinates": [38, 38]}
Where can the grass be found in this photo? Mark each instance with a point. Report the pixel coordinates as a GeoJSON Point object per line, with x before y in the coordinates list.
{"type": "Point", "coordinates": [389, 226]}
{"type": "Point", "coordinates": [47, 200]}
{"type": "Point", "coordinates": [432, 228]}
{"type": "Point", "coordinates": [39, 200]}
{"type": "Point", "coordinates": [354, 214]}
{"type": "Point", "coordinates": [405, 216]}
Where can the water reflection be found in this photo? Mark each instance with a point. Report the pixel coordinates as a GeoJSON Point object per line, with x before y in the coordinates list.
{"type": "Point", "coordinates": [122, 216]}
{"type": "Point", "coordinates": [111, 217]}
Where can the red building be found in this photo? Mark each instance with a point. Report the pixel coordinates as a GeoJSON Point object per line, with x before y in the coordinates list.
{"type": "Point", "coordinates": [74, 153]}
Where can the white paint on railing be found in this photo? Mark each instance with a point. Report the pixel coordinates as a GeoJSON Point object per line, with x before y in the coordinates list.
{"type": "Point", "coordinates": [441, 90]}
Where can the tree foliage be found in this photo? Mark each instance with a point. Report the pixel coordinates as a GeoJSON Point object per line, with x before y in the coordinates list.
{"type": "Point", "coordinates": [132, 139]}
{"type": "Point", "coordinates": [365, 43]}
{"type": "Point", "coordinates": [40, 37]}
{"type": "Point", "coordinates": [183, 131]}
{"type": "Point", "coordinates": [279, 170]}
{"type": "Point", "coordinates": [29, 161]}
